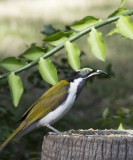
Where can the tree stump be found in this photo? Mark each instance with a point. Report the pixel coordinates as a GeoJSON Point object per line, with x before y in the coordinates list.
{"type": "Point", "coordinates": [89, 145]}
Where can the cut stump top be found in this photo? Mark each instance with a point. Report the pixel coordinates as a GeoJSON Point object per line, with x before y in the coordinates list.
{"type": "Point", "coordinates": [89, 145]}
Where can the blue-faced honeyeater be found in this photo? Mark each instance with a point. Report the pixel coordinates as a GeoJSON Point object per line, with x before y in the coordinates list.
{"type": "Point", "coordinates": [53, 104]}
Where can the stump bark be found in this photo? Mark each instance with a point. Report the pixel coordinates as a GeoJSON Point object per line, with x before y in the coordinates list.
{"type": "Point", "coordinates": [89, 145]}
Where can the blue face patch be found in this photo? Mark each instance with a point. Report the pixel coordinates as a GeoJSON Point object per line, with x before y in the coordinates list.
{"type": "Point", "coordinates": [85, 71]}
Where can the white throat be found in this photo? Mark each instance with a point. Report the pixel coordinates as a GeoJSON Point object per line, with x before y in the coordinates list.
{"type": "Point", "coordinates": [74, 85]}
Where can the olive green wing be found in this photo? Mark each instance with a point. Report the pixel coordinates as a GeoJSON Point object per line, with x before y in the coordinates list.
{"type": "Point", "coordinates": [49, 101]}
{"type": "Point", "coordinates": [27, 112]}
{"type": "Point", "coordinates": [46, 103]}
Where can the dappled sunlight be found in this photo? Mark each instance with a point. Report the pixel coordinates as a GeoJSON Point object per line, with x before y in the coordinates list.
{"type": "Point", "coordinates": [22, 21]}
{"type": "Point", "coordinates": [50, 9]}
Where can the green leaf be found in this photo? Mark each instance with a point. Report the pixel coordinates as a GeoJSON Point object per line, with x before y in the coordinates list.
{"type": "Point", "coordinates": [96, 44]}
{"type": "Point", "coordinates": [84, 23]}
{"type": "Point", "coordinates": [117, 12]}
{"type": "Point", "coordinates": [16, 88]}
{"type": "Point", "coordinates": [125, 26]}
{"type": "Point", "coordinates": [34, 52]}
{"type": "Point", "coordinates": [112, 31]}
{"type": "Point", "coordinates": [122, 3]}
{"type": "Point", "coordinates": [73, 54]}
{"type": "Point", "coordinates": [120, 127]}
{"type": "Point", "coordinates": [48, 71]}
{"type": "Point", "coordinates": [12, 63]}
{"type": "Point", "coordinates": [58, 38]}
{"type": "Point", "coordinates": [105, 112]}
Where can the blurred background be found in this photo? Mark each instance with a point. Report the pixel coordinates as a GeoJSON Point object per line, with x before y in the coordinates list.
{"type": "Point", "coordinates": [103, 104]}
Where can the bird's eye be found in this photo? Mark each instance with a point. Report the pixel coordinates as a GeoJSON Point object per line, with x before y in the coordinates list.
{"type": "Point", "coordinates": [85, 72]}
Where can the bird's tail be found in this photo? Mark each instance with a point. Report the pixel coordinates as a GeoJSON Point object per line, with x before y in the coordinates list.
{"type": "Point", "coordinates": [16, 132]}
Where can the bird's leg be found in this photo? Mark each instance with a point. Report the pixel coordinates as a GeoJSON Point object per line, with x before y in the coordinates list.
{"type": "Point", "coordinates": [53, 129]}
{"type": "Point", "coordinates": [56, 131]}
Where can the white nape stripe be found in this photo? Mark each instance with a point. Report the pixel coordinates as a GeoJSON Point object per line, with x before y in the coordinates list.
{"type": "Point", "coordinates": [63, 108]}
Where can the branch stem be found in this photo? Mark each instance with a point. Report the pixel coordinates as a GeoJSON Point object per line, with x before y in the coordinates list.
{"type": "Point", "coordinates": [73, 38]}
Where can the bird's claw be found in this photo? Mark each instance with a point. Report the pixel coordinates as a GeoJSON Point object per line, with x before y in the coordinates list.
{"type": "Point", "coordinates": [61, 133]}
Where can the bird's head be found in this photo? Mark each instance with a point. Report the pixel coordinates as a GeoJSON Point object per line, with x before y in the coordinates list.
{"type": "Point", "coordinates": [87, 73]}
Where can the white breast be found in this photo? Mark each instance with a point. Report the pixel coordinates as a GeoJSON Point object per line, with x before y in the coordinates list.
{"type": "Point", "coordinates": [63, 108]}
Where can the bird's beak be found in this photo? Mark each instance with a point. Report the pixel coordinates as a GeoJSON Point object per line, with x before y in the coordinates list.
{"type": "Point", "coordinates": [100, 72]}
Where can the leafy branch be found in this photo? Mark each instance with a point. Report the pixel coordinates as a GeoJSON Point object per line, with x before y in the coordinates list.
{"type": "Point", "coordinates": [73, 38]}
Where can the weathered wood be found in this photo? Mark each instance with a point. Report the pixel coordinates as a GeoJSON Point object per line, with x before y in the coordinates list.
{"type": "Point", "coordinates": [88, 145]}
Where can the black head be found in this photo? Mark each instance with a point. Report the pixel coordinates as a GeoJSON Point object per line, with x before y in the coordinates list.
{"type": "Point", "coordinates": [86, 73]}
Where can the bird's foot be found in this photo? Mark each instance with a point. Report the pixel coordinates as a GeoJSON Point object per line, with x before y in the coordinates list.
{"type": "Point", "coordinates": [66, 133]}
{"type": "Point", "coordinates": [52, 133]}
{"type": "Point", "coordinates": [61, 133]}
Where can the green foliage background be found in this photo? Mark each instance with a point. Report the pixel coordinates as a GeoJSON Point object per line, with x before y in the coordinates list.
{"type": "Point", "coordinates": [104, 103]}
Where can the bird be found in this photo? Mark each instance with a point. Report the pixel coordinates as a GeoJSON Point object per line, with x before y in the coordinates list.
{"type": "Point", "coordinates": [53, 104]}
